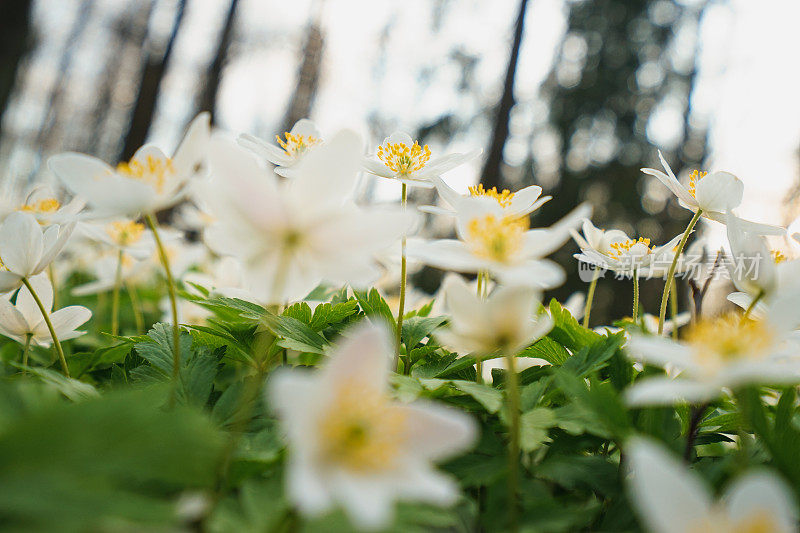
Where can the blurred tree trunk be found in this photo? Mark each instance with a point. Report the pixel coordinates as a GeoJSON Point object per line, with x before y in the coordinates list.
{"type": "Point", "coordinates": [308, 76]}
{"type": "Point", "coordinates": [491, 176]}
{"type": "Point", "coordinates": [149, 87]}
{"type": "Point", "coordinates": [213, 77]}
{"type": "Point", "coordinates": [15, 37]}
{"type": "Point", "coordinates": [48, 131]}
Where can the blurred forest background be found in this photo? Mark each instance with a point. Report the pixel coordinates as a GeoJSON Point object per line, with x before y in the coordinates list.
{"type": "Point", "coordinates": [572, 95]}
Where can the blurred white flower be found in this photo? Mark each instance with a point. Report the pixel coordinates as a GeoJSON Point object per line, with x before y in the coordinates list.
{"type": "Point", "coordinates": [127, 236]}
{"type": "Point", "coordinates": [715, 193]}
{"type": "Point", "coordinates": [504, 323]}
{"type": "Point", "coordinates": [351, 445]}
{"type": "Point", "coordinates": [26, 249]}
{"type": "Point", "coordinates": [514, 204]}
{"type": "Point", "coordinates": [42, 203]}
{"type": "Point", "coordinates": [405, 160]}
{"type": "Point", "coordinates": [758, 272]}
{"type": "Point", "coordinates": [671, 499]}
{"type": "Point", "coordinates": [103, 268]}
{"type": "Point", "coordinates": [303, 138]}
{"type": "Point", "coordinates": [150, 181]}
{"type": "Point", "coordinates": [24, 317]}
{"type": "Point", "coordinates": [501, 245]}
{"type": "Point", "coordinates": [718, 353]}
{"type": "Point", "coordinates": [293, 234]}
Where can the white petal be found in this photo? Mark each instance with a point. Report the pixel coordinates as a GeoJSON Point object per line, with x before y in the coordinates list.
{"type": "Point", "coordinates": [65, 321]}
{"type": "Point", "coordinates": [538, 274]}
{"type": "Point", "coordinates": [669, 391]}
{"type": "Point", "coordinates": [191, 153]}
{"type": "Point", "coordinates": [660, 352]}
{"type": "Point", "coordinates": [447, 254]}
{"type": "Point", "coordinates": [53, 246]}
{"type": "Point", "coordinates": [9, 281]}
{"type": "Point", "coordinates": [447, 193]}
{"type": "Point", "coordinates": [542, 242]}
{"type": "Point", "coordinates": [377, 168]}
{"type": "Point", "coordinates": [719, 191]}
{"type": "Point", "coordinates": [306, 488]}
{"type": "Point", "coordinates": [399, 137]}
{"type": "Point", "coordinates": [27, 305]}
{"type": "Point", "coordinates": [436, 432]}
{"type": "Point", "coordinates": [367, 501]}
{"type": "Point", "coordinates": [762, 493]}
{"type": "Point", "coordinates": [306, 127]}
{"type": "Point", "coordinates": [363, 357]}
{"type": "Point", "coordinates": [668, 498]}
{"type": "Point", "coordinates": [21, 243]}
{"type": "Point", "coordinates": [328, 173]}
{"type": "Point", "coordinates": [11, 320]}
{"type": "Point", "coordinates": [746, 225]}
{"type": "Point", "coordinates": [270, 152]}
{"type": "Point", "coordinates": [673, 185]}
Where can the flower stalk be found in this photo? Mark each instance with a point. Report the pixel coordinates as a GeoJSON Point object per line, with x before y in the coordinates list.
{"type": "Point", "coordinates": [115, 296]}
{"type": "Point", "coordinates": [173, 300]}
{"type": "Point", "coordinates": [590, 298]}
{"type": "Point", "coordinates": [50, 328]}
{"type": "Point", "coordinates": [671, 272]}
{"type": "Point", "coordinates": [513, 404]}
{"type": "Point", "coordinates": [403, 274]}
{"type": "Point", "coordinates": [25, 352]}
{"type": "Point", "coordinates": [635, 313]}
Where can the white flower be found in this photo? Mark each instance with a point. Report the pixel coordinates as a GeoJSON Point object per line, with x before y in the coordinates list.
{"type": "Point", "coordinates": [150, 181]}
{"type": "Point", "coordinates": [351, 445]}
{"type": "Point", "coordinates": [504, 323]}
{"type": "Point", "coordinates": [290, 235]}
{"type": "Point", "coordinates": [514, 204]}
{"type": "Point", "coordinates": [405, 160]}
{"type": "Point", "coordinates": [627, 256]}
{"type": "Point", "coordinates": [715, 193]}
{"type": "Point", "coordinates": [670, 499]}
{"type": "Point", "coordinates": [303, 138]}
{"type": "Point", "coordinates": [719, 353]}
{"type": "Point", "coordinates": [26, 249]}
{"type": "Point", "coordinates": [756, 271]}
{"type": "Point", "coordinates": [42, 203]}
{"type": "Point", "coordinates": [132, 238]}
{"type": "Point", "coordinates": [502, 245]}
{"type": "Point", "coordinates": [24, 317]}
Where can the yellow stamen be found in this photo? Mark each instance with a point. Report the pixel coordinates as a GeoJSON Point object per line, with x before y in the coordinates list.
{"type": "Point", "coordinates": [778, 256]}
{"type": "Point", "coordinates": [497, 239]}
{"type": "Point", "coordinates": [48, 205]}
{"type": "Point", "coordinates": [503, 198]}
{"type": "Point", "coordinates": [152, 170]}
{"type": "Point", "coordinates": [694, 177]}
{"type": "Point", "coordinates": [618, 249]}
{"type": "Point", "coordinates": [296, 145]}
{"type": "Point", "coordinates": [361, 430]}
{"type": "Point", "coordinates": [403, 159]}
{"type": "Point", "coordinates": [726, 339]}
{"type": "Point", "coordinates": [125, 233]}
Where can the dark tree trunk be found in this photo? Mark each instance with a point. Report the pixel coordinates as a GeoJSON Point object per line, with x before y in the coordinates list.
{"type": "Point", "coordinates": [308, 77]}
{"type": "Point", "coordinates": [14, 43]}
{"type": "Point", "coordinates": [491, 176]}
{"type": "Point", "coordinates": [149, 88]}
{"type": "Point", "coordinates": [213, 78]}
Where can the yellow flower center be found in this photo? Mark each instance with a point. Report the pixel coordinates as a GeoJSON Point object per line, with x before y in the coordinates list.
{"type": "Point", "coordinates": [403, 159]}
{"type": "Point", "coordinates": [497, 239]}
{"type": "Point", "coordinates": [48, 205]}
{"type": "Point", "coordinates": [125, 233]}
{"type": "Point", "coordinates": [361, 430]}
{"type": "Point", "coordinates": [694, 177]}
{"type": "Point", "coordinates": [503, 198]}
{"type": "Point", "coordinates": [778, 256]}
{"type": "Point", "coordinates": [618, 249]}
{"type": "Point", "coordinates": [759, 521]}
{"type": "Point", "coordinates": [296, 145]}
{"type": "Point", "coordinates": [153, 171]}
{"type": "Point", "coordinates": [727, 339]}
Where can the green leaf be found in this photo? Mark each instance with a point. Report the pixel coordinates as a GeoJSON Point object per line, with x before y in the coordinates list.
{"type": "Point", "coordinates": [157, 350]}
{"type": "Point", "coordinates": [533, 428]}
{"type": "Point", "coordinates": [327, 314]}
{"type": "Point", "coordinates": [491, 399]}
{"type": "Point", "coordinates": [71, 388]}
{"type": "Point", "coordinates": [295, 335]}
{"type": "Point", "coordinates": [375, 307]}
{"type": "Point", "coordinates": [547, 349]}
{"type": "Point", "coordinates": [567, 331]}
{"type": "Point", "coordinates": [416, 328]}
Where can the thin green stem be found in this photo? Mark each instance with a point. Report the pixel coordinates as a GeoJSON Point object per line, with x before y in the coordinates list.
{"type": "Point", "coordinates": [673, 310]}
{"type": "Point", "coordinates": [671, 272]}
{"type": "Point", "coordinates": [590, 298]}
{"type": "Point", "coordinates": [115, 296]}
{"type": "Point", "coordinates": [752, 305]}
{"type": "Point", "coordinates": [402, 305]}
{"type": "Point", "coordinates": [635, 313]}
{"type": "Point", "coordinates": [173, 302]}
{"type": "Point", "coordinates": [136, 304]}
{"type": "Point", "coordinates": [25, 350]}
{"type": "Point", "coordinates": [483, 281]}
{"type": "Point", "coordinates": [51, 273]}
{"type": "Point", "coordinates": [46, 317]}
{"type": "Point", "coordinates": [513, 404]}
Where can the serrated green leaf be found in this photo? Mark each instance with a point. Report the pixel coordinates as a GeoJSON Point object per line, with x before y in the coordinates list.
{"type": "Point", "coordinates": [533, 428]}
{"type": "Point", "coordinates": [490, 398]}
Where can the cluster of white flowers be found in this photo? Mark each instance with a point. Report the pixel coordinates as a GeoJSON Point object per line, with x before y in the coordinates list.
{"type": "Point", "coordinates": [277, 221]}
